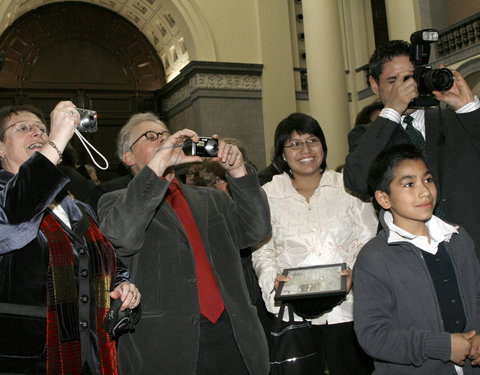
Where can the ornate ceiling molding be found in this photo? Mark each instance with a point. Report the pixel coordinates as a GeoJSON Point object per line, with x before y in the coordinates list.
{"type": "Point", "coordinates": [175, 28]}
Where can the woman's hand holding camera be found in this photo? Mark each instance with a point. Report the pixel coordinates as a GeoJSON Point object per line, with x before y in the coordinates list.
{"type": "Point", "coordinates": [63, 120]}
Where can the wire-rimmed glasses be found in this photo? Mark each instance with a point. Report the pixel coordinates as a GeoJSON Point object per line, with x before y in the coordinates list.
{"type": "Point", "coordinates": [25, 126]}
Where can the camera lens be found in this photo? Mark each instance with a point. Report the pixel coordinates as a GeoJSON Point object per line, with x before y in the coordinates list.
{"type": "Point", "coordinates": [211, 147]}
{"type": "Point", "coordinates": [438, 79]}
{"type": "Point", "coordinates": [88, 120]}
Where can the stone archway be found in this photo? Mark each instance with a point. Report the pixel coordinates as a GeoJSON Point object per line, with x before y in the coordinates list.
{"type": "Point", "coordinates": [471, 71]}
{"type": "Point", "coordinates": [81, 46]}
{"type": "Point", "coordinates": [175, 28]}
{"type": "Point", "coordinates": [87, 54]}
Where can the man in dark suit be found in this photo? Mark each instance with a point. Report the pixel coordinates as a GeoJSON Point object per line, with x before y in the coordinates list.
{"type": "Point", "coordinates": [450, 136]}
{"type": "Point", "coordinates": [163, 229]}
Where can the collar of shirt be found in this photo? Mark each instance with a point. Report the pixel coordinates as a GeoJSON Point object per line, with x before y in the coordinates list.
{"type": "Point", "coordinates": [418, 118]}
{"type": "Point", "coordinates": [283, 187]}
{"type": "Point", "coordinates": [439, 231]}
{"type": "Point", "coordinates": [418, 121]}
{"type": "Point", "coordinates": [60, 212]}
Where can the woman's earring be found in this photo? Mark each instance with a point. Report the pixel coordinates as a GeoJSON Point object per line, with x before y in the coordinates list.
{"type": "Point", "coordinates": [2, 157]}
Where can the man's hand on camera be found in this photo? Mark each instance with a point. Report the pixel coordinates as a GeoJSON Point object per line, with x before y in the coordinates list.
{"type": "Point", "coordinates": [230, 158]}
{"type": "Point", "coordinates": [170, 152]}
{"type": "Point", "coordinates": [404, 90]}
{"type": "Point", "coordinates": [459, 95]}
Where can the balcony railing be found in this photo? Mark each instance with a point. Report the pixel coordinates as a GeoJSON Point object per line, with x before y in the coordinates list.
{"type": "Point", "coordinates": [459, 36]}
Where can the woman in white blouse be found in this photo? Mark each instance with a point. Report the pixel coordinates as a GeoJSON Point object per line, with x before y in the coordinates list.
{"type": "Point", "coordinates": [315, 221]}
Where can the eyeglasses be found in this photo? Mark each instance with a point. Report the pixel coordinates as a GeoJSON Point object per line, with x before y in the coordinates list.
{"type": "Point", "coordinates": [152, 136]}
{"type": "Point", "coordinates": [24, 126]}
{"type": "Point", "coordinates": [297, 145]}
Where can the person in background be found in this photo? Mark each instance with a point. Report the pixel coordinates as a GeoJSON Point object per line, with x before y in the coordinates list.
{"type": "Point", "coordinates": [58, 271]}
{"type": "Point", "coordinates": [369, 113]}
{"type": "Point", "coordinates": [182, 243]}
{"type": "Point", "coordinates": [417, 283]}
{"type": "Point", "coordinates": [117, 183]}
{"type": "Point", "coordinates": [267, 173]}
{"type": "Point", "coordinates": [89, 172]}
{"type": "Point", "coordinates": [314, 222]}
{"type": "Point", "coordinates": [192, 176]}
{"type": "Point", "coordinates": [79, 185]}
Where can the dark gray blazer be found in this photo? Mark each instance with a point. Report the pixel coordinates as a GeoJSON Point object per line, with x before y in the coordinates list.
{"type": "Point", "coordinates": [150, 239]}
{"type": "Point", "coordinates": [453, 155]}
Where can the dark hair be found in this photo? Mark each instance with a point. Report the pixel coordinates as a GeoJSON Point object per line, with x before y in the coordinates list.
{"type": "Point", "coordinates": [384, 53]}
{"type": "Point", "coordinates": [381, 172]}
{"type": "Point", "coordinates": [70, 156]}
{"type": "Point", "coordinates": [6, 112]}
{"type": "Point", "coordinates": [363, 117]}
{"type": "Point", "coordinates": [302, 124]}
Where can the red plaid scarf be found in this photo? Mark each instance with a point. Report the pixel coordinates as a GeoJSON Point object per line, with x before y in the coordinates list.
{"type": "Point", "coordinates": [63, 335]}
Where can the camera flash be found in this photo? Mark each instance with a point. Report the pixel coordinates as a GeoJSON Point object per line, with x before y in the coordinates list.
{"type": "Point", "coordinates": [430, 36]}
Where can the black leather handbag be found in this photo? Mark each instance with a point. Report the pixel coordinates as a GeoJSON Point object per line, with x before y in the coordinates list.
{"type": "Point", "coordinates": [118, 322]}
{"type": "Point", "coordinates": [292, 350]}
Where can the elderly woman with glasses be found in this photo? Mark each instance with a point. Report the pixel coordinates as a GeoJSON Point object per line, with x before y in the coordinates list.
{"type": "Point", "coordinates": [57, 270]}
{"type": "Point", "coordinates": [314, 222]}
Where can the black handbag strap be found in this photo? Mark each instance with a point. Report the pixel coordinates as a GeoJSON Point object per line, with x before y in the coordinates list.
{"type": "Point", "coordinates": [291, 317]}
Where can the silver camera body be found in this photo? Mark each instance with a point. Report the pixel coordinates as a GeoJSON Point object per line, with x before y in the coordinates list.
{"type": "Point", "coordinates": [206, 147]}
{"type": "Point", "coordinates": [88, 120]}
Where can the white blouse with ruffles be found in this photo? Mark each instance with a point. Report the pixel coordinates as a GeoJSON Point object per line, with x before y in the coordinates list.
{"type": "Point", "coordinates": [331, 228]}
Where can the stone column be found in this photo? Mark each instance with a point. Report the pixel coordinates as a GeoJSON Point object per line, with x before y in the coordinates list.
{"type": "Point", "coordinates": [327, 88]}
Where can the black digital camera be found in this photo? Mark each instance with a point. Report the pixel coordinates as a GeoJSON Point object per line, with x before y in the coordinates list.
{"type": "Point", "coordinates": [206, 147]}
{"type": "Point", "coordinates": [427, 78]}
{"type": "Point", "coordinates": [88, 120]}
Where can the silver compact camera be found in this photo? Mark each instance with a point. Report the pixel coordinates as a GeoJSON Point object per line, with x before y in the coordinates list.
{"type": "Point", "coordinates": [88, 120]}
{"type": "Point", "coordinates": [206, 147]}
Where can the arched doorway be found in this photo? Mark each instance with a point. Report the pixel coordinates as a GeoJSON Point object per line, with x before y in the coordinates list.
{"type": "Point", "coordinates": [85, 53]}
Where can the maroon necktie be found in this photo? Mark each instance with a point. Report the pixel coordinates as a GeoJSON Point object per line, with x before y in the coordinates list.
{"type": "Point", "coordinates": [211, 303]}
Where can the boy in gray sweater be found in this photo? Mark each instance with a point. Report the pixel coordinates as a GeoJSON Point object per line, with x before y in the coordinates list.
{"type": "Point", "coordinates": [417, 283]}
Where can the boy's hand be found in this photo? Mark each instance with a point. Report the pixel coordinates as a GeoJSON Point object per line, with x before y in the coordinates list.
{"type": "Point", "coordinates": [474, 354]}
{"type": "Point", "coordinates": [461, 346]}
